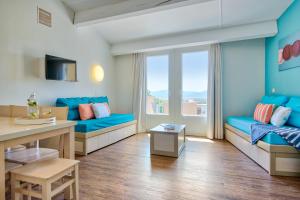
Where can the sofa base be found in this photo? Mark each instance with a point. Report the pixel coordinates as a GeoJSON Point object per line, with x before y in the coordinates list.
{"type": "Point", "coordinates": [282, 160]}
{"type": "Point", "coordinates": [92, 141]}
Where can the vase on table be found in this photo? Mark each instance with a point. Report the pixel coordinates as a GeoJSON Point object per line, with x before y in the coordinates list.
{"type": "Point", "coordinates": [32, 107]}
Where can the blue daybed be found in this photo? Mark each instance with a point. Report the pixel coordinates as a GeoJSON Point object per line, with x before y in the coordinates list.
{"type": "Point", "coordinates": [272, 152]}
{"type": "Point", "coordinates": [93, 134]}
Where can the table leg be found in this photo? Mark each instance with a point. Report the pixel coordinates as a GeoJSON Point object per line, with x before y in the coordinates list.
{"type": "Point", "coordinates": [2, 172]}
{"type": "Point", "coordinates": [69, 141]}
{"type": "Point", "coordinates": [69, 152]}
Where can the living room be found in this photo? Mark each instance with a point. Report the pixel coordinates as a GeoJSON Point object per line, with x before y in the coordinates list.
{"type": "Point", "coordinates": [149, 99]}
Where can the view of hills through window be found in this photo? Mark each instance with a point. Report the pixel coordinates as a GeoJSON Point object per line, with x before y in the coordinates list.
{"type": "Point", "coordinates": [157, 84]}
{"type": "Point", "coordinates": [194, 84]}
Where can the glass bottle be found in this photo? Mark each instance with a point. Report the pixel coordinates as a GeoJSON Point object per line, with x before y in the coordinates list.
{"type": "Point", "coordinates": [32, 107]}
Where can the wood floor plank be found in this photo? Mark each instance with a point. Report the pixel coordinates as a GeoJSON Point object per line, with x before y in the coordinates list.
{"type": "Point", "coordinates": [205, 170]}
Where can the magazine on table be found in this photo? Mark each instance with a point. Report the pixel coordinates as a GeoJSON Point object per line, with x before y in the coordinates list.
{"type": "Point", "coordinates": [169, 126]}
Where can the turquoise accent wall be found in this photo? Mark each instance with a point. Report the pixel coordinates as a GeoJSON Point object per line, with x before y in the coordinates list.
{"type": "Point", "coordinates": [285, 82]}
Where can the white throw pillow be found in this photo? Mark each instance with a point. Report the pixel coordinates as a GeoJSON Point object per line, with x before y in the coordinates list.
{"type": "Point", "coordinates": [280, 116]}
{"type": "Point", "coordinates": [101, 110]}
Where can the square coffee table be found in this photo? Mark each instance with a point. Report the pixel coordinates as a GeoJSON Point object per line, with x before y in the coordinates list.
{"type": "Point", "coordinates": [167, 142]}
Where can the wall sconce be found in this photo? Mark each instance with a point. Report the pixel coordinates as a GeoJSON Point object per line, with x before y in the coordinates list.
{"type": "Point", "coordinates": [97, 73]}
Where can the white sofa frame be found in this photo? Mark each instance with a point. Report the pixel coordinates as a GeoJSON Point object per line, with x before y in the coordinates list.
{"type": "Point", "coordinates": [88, 142]}
{"type": "Point", "coordinates": [283, 160]}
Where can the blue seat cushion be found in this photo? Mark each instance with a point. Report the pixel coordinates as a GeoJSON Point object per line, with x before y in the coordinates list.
{"type": "Point", "coordinates": [244, 124]}
{"type": "Point", "coordinates": [277, 100]}
{"type": "Point", "coordinates": [84, 126]}
{"type": "Point", "coordinates": [74, 102]}
{"type": "Point", "coordinates": [294, 119]}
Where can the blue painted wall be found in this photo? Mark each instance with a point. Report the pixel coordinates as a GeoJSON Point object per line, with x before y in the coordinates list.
{"type": "Point", "coordinates": [285, 82]}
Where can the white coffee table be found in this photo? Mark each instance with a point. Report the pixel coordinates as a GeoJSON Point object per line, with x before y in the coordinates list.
{"type": "Point", "coordinates": [167, 142]}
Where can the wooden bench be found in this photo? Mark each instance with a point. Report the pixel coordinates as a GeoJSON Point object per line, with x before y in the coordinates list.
{"type": "Point", "coordinates": [45, 179]}
{"type": "Point", "coordinates": [281, 160]}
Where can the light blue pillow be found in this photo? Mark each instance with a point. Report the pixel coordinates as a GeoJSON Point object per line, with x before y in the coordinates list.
{"type": "Point", "coordinates": [280, 116]}
{"type": "Point", "coordinates": [294, 104]}
{"type": "Point", "coordinates": [276, 100]}
{"type": "Point", "coordinates": [101, 110]}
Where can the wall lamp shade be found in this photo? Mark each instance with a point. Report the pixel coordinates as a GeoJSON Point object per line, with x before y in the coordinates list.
{"type": "Point", "coordinates": [97, 73]}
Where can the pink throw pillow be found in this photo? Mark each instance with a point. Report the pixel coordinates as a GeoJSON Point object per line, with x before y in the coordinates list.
{"type": "Point", "coordinates": [263, 113]}
{"type": "Point", "coordinates": [86, 111]}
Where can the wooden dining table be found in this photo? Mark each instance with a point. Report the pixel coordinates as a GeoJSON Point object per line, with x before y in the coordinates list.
{"type": "Point", "coordinates": [12, 134]}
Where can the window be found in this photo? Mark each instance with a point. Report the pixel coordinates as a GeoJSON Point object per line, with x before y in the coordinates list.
{"type": "Point", "coordinates": [194, 83]}
{"type": "Point", "coordinates": [157, 101]}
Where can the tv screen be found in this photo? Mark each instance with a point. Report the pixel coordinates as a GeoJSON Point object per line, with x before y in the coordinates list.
{"type": "Point", "coordinates": [60, 69]}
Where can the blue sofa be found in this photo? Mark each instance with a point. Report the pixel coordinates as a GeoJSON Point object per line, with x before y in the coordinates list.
{"type": "Point", "coordinates": [272, 152]}
{"type": "Point", "coordinates": [93, 134]}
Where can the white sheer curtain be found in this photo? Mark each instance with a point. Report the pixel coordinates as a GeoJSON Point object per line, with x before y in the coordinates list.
{"type": "Point", "coordinates": [139, 90]}
{"type": "Point", "coordinates": [214, 101]}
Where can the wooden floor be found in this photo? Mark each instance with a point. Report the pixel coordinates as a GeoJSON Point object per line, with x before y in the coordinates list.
{"type": "Point", "coordinates": [205, 170]}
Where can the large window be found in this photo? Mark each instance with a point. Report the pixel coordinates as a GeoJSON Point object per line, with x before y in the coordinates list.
{"type": "Point", "coordinates": [157, 101]}
{"type": "Point", "coordinates": [194, 83]}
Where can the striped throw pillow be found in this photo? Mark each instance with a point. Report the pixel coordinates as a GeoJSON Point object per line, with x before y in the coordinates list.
{"type": "Point", "coordinates": [263, 113]}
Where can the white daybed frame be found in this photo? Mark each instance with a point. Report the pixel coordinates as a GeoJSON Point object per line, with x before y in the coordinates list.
{"type": "Point", "coordinates": [92, 141]}
{"type": "Point", "coordinates": [283, 160]}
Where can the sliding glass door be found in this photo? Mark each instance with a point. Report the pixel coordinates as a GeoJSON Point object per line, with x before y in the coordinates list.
{"type": "Point", "coordinates": [159, 84]}
{"type": "Point", "coordinates": [177, 88]}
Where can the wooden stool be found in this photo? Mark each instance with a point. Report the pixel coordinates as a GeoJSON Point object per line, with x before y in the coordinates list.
{"type": "Point", "coordinates": [8, 167]}
{"type": "Point", "coordinates": [45, 179]}
{"type": "Point", "coordinates": [31, 155]}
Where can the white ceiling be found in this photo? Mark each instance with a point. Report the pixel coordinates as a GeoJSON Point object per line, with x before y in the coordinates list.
{"type": "Point", "coordinates": [210, 14]}
{"type": "Point", "coordinates": [79, 5]}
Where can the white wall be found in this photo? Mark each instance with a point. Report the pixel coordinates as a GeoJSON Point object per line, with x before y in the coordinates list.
{"type": "Point", "coordinates": [243, 77]}
{"type": "Point", "coordinates": [24, 43]}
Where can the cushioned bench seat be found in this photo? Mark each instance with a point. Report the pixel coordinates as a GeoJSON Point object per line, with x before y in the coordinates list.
{"type": "Point", "coordinates": [84, 126]}
{"type": "Point", "coordinates": [244, 124]}
{"type": "Point", "coordinates": [94, 134]}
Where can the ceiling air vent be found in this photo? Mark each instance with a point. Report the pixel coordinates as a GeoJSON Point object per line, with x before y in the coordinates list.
{"type": "Point", "coordinates": [44, 17]}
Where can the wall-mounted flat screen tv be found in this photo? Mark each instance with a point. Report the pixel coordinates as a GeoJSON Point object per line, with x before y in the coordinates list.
{"type": "Point", "coordinates": [60, 69]}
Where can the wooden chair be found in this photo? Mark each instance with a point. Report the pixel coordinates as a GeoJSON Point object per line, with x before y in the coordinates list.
{"type": "Point", "coordinates": [61, 113]}
{"type": "Point", "coordinates": [45, 179]}
{"type": "Point", "coordinates": [5, 111]}
{"type": "Point", "coordinates": [18, 111]}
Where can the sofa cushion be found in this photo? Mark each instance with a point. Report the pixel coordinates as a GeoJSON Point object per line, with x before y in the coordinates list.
{"type": "Point", "coordinates": [276, 100]}
{"type": "Point", "coordinates": [103, 99]}
{"type": "Point", "coordinates": [263, 112]}
{"type": "Point", "coordinates": [96, 124]}
{"type": "Point", "coordinates": [74, 102]}
{"type": "Point", "coordinates": [86, 111]}
{"type": "Point", "coordinates": [101, 110]}
{"type": "Point", "coordinates": [294, 119]}
{"type": "Point", "coordinates": [280, 116]}
{"type": "Point", "coordinates": [244, 125]}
